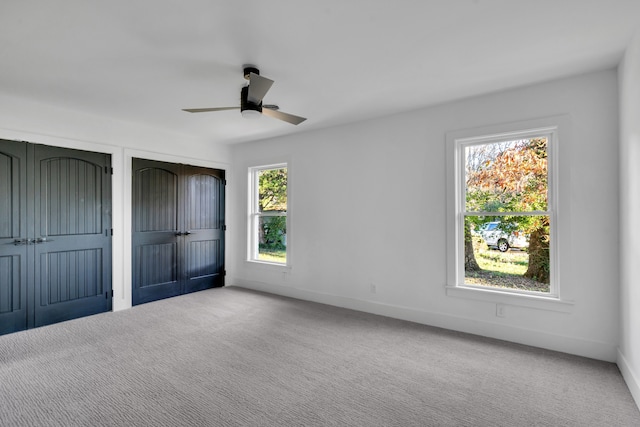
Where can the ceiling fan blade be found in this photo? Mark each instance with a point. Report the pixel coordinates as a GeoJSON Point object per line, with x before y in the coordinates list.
{"type": "Point", "coordinates": [204, 110]}
{"type": "Point", "coordinates": [289, 118]}
{"type": "Point", "coordinates": [258, 88]}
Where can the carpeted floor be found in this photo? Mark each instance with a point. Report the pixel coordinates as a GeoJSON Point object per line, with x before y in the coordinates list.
{"type": "Point", "coordinates": [233, 357]}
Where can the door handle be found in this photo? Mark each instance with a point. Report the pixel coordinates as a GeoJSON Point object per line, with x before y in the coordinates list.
{"type": "Point", "coordinates": [186, 233]}
{"type": "Point", "coordinates": [20, 242]}
{"type": "Point", "coordinates": [179, 233]}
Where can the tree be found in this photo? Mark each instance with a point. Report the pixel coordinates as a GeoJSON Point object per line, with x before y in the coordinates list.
{"type": "Point", "coordinates": [272, 190]}
{"type": "Point", "coordinates": [512, 177]}
{"type": "Point", "coordinates": [470, 263]}
{"type": "Point", "coordinates": [477, 158]}
{"type": "Point", "coordinates": [272, 196]}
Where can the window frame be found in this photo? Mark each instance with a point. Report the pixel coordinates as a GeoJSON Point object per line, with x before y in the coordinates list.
{"type": "Point", "coordinates": [457, 141]}
{"type": "Point", "coordinates": [255, 214]}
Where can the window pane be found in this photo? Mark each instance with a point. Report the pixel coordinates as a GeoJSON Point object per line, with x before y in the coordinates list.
{"type": "Point", "coordinates": [508, 176]}
{"type": "Point", "coordinates": [269, 214]}
{"type": "Point", "coordinates": [507, 252]}
{"type": "Point", "coordinates": [272, 190]}
{"type": "Point", "coordinates": [272, 239]}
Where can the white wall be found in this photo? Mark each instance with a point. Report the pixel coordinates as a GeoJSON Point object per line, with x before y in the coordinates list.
{"type": "Point", "coordinates": [367, 206]}
{"type": "Point", "coordinates": [25, 120]}
{"type": "Point", "coordinates": [629, 355]}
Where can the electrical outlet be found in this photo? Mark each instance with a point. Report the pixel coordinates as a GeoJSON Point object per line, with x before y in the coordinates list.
{"type": "Point", "coordinates": [501, 310]}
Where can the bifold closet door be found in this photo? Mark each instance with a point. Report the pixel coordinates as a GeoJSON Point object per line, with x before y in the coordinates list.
{"type": "Point", "coordinates": [177, 229]}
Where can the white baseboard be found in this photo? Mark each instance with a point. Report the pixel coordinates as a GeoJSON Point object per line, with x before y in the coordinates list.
{"type": "Point", "coordinates": [629, 377]}
{"type": "Point", "coordinates": [571, 345]}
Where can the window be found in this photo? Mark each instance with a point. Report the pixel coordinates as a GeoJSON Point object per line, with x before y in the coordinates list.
{"type": "Point", "coordinates": [504, 218]}
{"type": "Point", "coordinates": [268, 214]}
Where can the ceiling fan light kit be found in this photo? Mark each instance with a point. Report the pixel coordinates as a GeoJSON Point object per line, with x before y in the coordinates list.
{"type": "Point", "coordinates": [251, 114]}
{"type": "Point", "coordinates": [251, 100]}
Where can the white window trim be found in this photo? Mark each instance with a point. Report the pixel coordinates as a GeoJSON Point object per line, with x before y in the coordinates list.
{"type": "Point", "coordinates": [254, 215]}
{"type": "Point", "coordinates": [555, 128]}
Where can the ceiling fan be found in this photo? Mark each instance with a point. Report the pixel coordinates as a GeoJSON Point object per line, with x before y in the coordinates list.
{"type": "Point", "coordinates": [251, 105]}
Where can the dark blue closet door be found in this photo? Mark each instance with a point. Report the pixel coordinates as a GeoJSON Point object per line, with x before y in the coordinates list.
{"type": "Point", "coordinates": [204, 228]}
{"type": "Point", "coordinates": [71, 234]}
{"type": "Point", "coordinates": [178, 229]}
{"type": "Point", "coordinates": [156, 247]}
{"type": "Point", "coordinates": [13, 236]}
{"type": "Point", "coordinates": [55, 234]}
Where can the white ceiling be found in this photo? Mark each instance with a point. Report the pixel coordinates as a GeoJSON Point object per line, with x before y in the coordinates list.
{"type": "Point", "coordinates": [333, 61]}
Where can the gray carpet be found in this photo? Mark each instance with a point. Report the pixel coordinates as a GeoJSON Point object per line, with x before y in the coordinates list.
{"type": "Point", "coordinates": [233, 357]}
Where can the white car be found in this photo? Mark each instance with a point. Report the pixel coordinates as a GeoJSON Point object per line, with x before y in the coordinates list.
{"type": "Point", "coordinates": [496, 238]}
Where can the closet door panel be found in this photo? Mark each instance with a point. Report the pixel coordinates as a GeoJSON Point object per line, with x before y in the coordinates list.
{"type": "Point", "coordinates": [72, 234]}
{"type": "Point", "coordinates": [156, 245]}
{"type": "Point", "coordinates": [205, 192]}
{"type": "Point", "coordinates": [13, 236]}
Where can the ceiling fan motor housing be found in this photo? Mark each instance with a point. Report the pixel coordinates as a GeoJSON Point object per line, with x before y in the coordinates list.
{"type": "Point", "coordinates": [247, 108]}
{"type": "Point", "coordinates": [248, 69]}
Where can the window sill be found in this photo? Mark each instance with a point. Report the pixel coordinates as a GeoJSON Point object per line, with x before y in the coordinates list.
{"type": "Point", "coordinates": [267, 264]}
{"type": "Point", "coordinates": [540, 302]}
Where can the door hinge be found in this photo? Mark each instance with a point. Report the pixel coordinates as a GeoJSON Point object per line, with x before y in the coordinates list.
{"type": "Point", "coordinates": [108, 293]}
{"type": "Point", "coordinates": [224, 272]}
{"type": "Point", "coordinates": [224, 227]}
{"type": "Point", "coordinates": [108, 170]}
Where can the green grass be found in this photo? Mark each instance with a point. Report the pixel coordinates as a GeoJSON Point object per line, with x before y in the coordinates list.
{"type": "Point", "coordinates": [272, 255]}
{"type": "Point", "coordinates": [510, 262]}
{"type": "Point", "coordinates": [502, 269]}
